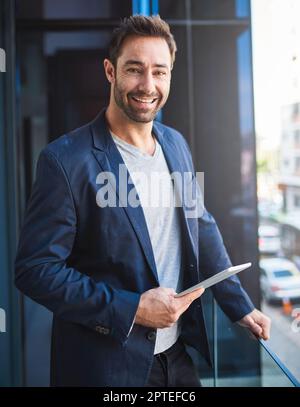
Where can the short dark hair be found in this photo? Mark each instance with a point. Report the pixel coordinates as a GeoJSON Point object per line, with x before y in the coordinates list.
{"type": "Point", "coordinates": [145, 26]}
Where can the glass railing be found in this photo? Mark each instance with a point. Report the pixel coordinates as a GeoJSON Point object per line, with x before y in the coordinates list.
{"type": "Point", "coordinates": [266, 371]}
{"type": "Point", "coordinates": [274, 372]}
{"type": "Point", "coordinates": [240, 360]}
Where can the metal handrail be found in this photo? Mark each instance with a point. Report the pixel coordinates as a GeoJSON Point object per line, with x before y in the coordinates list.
{"type": "Point", "coordinates": [279, 363]}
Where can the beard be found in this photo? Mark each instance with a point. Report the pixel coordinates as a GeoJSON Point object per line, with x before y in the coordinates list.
{"type": "Point", "coordinates": [133, 112]}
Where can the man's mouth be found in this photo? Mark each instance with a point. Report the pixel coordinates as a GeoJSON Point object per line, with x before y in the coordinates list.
{"type": "Point", "coordinates": [142, 101]}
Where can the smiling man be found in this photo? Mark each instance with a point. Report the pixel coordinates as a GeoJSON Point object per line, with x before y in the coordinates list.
{"type": "Point", "coordinates": [140, 75]}
{"type": "Point", "coordinates": [139, 63]}
{"type": "Point", "coordinates": [109, 273]}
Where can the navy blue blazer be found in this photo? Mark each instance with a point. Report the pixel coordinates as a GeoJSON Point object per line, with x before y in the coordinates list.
{"type": "Point", "coordinates": [89, 265]}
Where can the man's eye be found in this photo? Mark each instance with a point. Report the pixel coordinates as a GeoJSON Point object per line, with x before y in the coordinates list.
{"type": "Point", "coordinates": [133, 70]}
{"type": "Point", "coordinates": [160, 73]}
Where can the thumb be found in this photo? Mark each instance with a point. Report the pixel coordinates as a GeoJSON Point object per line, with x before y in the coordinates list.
{"type": "Point", "coordinates": [197, 293]}
{"type": "Point", "coordinates": [194, 294]}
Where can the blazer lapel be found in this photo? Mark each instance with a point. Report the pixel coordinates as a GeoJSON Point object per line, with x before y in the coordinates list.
{"type": "Point", "coordinates": [109, 159]}
{"type": "Point", "coordinates": [172, 157]}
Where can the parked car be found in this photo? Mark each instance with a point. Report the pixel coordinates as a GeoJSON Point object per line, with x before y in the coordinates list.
{"type": "Point", "coordinates": [269, 239]}
{"type": "Point", "coordinates": [279, 279]}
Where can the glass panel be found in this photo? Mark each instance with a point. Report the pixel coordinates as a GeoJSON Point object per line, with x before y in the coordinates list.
{"type": "Point", "coordinates": [72, 9]}
{"type": "Point", "coordinates": [5, 338]}
{"type": "Point", "coordinates": [211, 104]}
{"type": "Point", "coordinates": [250, 363]}
{"type": "Point", "coordinates": [171, 9]}
{"type": "Point", "coordinates": [238, 356]}
{"type": "Point", "coordinates": [208, 72]}
{"type": "Point", "coordinates": [176, 111]}
{"type": "Point", "coordinates": [243, 373]}
{"type": "Point", "coordinates": [219, 9]}
{"type": "Point", "coordinates": [68, 64]}
{"type": "Point", "coordinates": [276, 56]}
{"type": "Point", "coordinates": [10, 332]}
{"type": "Point", "coordinates": [273, 372]}
{"type": "Point", "coordinates": [204, 9]}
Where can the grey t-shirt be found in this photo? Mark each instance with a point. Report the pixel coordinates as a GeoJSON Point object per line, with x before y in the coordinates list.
{"type": "Point", "coordinates": [151, 177]}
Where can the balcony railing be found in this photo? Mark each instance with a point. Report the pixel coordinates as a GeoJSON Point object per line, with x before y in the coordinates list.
{"type": "Point", "coordinates": [240, 360]}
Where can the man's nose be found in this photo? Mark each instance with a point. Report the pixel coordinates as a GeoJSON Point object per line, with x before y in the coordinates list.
{"type": "Point", "coordinates": [147, 83]}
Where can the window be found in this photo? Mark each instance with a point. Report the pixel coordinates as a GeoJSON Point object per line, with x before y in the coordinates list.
{"type": "Point", "coordinates": [297, 138]}
{"type": "Point", "coordinates": [282, 273]}
{"type": "Point", "coordinates": [297, 201]}
{"type": "Point", "coordinates": [275, 68]}
{"type": "Point", "coordinates": [297, 164]}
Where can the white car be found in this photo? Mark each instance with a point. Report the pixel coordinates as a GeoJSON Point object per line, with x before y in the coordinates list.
{"type": "Point", "coordinates": [279, 279]}
{"type": "Point", "coordinates": [269, 239]}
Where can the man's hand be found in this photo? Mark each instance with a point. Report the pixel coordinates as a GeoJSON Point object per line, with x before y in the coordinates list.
{"type": "Point", "coordinates": [158, 308]}
{"type": "Point", "coordinates": [258, 323]}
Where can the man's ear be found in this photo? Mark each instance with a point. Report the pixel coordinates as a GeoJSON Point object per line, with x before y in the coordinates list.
{"type": "Point", "coordinates": [109, 70]}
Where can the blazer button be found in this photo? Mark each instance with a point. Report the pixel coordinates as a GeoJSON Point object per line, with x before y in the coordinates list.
{"type": "Point", "coordinates": [106, 331]}
{"type": "Point", "coordinates": [151, 336]}
{"type": "Point", "coordinates": [98, 329]}
{"type": "Point", "coordinates": [102, 330]}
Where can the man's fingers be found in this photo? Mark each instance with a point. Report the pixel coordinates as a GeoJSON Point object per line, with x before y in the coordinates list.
{"type": "Point", "coordinates": [258, 323]}
{"type": "Point", "coordinates": [266, 327]}
{"type": "Point", "coordinates": [255, 328]}
{"type": "Point", "coordinates": [264, 323]}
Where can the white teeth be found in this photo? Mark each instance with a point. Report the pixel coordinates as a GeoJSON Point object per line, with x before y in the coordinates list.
{"type": "Point", "coordinates": [144, 100]}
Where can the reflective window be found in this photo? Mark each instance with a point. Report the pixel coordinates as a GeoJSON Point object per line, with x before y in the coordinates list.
{"type": "Point", "coordinates": [204, 9]}
{"type": "Point", "coordinates": [72, 9]}
{"type": "Point", "coordinates": [211, 103]}
{"type": "Point", "coordinates": [61, 85]}
{"type": "Point", "coordinates": [276, 56]}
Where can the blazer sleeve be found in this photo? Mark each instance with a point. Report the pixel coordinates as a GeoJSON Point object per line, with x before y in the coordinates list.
{"type": "Point", "coordinates": [213, 258]}
{"type": "Point", "coordinates": [41, 270]}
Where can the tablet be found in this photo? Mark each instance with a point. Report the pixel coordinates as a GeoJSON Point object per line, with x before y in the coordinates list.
{"type": "Point", "coordinates": [216, 278]}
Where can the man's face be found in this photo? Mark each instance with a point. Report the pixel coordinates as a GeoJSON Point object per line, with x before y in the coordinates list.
{"type": "Point", "coordinates": [142, 79]}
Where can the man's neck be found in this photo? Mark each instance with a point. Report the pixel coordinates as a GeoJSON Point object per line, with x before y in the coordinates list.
{"type": "Point", "coordinates": [137, 134]}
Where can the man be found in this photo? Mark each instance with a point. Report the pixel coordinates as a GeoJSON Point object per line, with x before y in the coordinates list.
{"type": "Point", "coordinates": [109, 273]}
